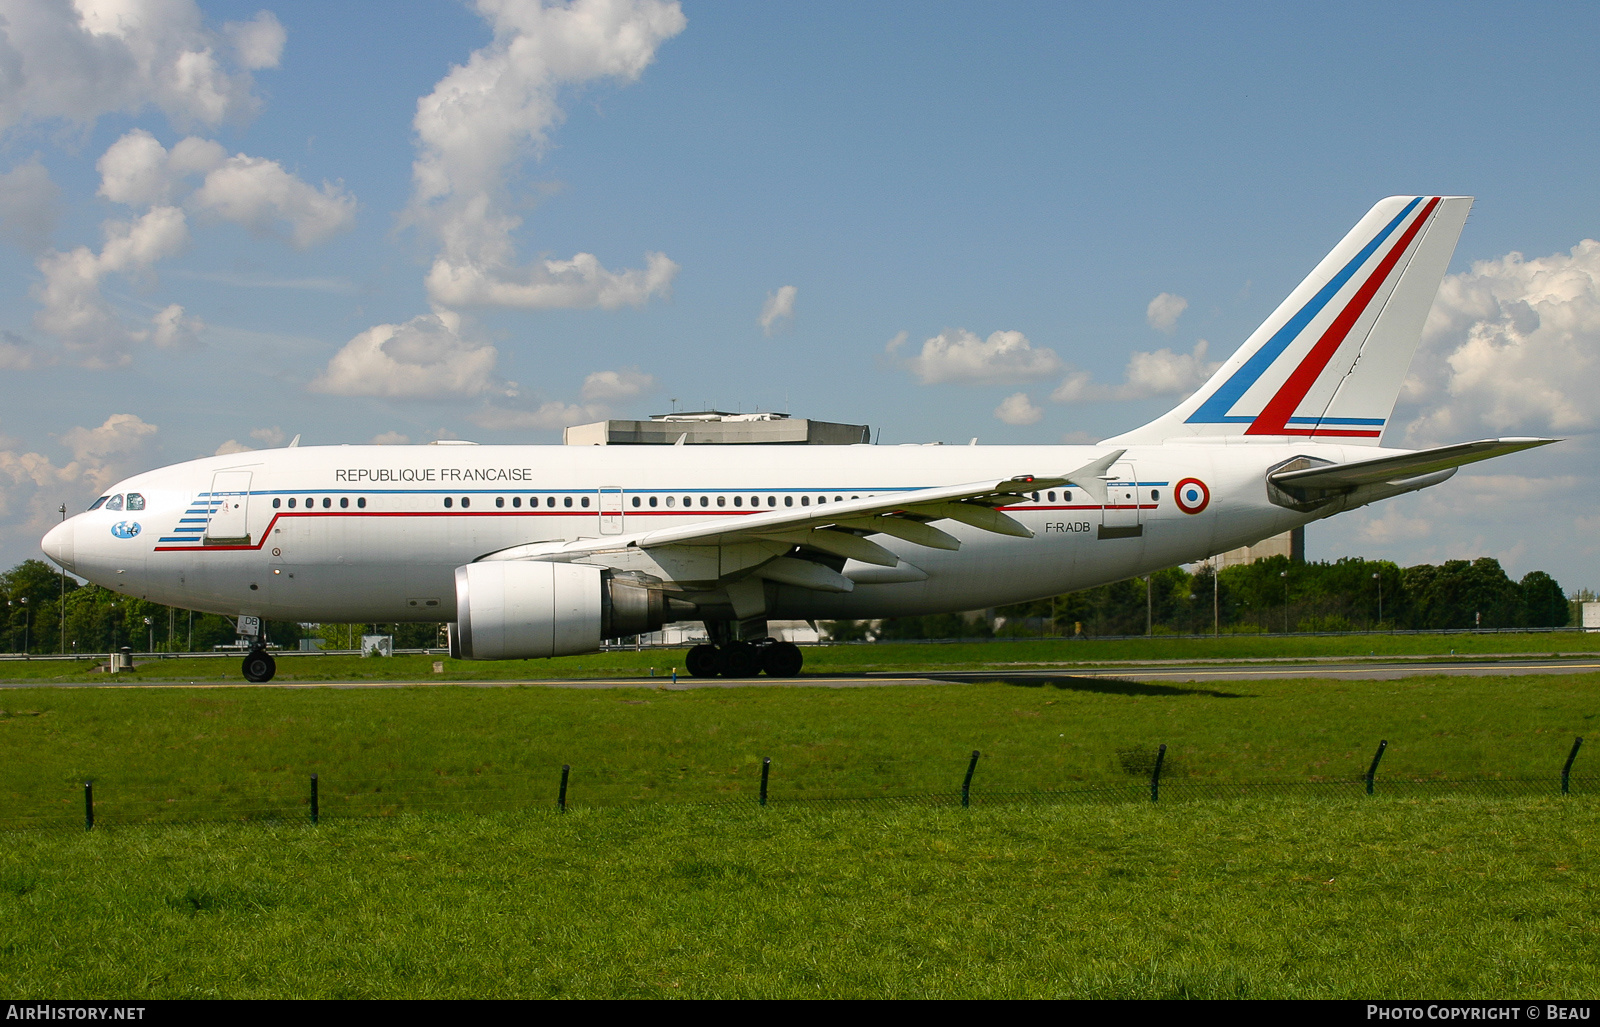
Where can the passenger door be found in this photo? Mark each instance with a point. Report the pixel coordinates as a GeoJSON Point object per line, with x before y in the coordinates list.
{"type": "Point", "coordinates": [229, 523]}
{"type": "Point", "coordinates": [611, 511]}
{"type": "Point", "coordinates": [1120, 517]}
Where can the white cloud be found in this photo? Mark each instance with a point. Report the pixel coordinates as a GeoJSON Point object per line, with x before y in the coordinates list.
{"type": "Point", "coordinates": [549, 416]}
{"type": "Point", "coordinates": [17, 355]}
{"type": "Point", "coordinates": [258, 43]}
{"type": "Point", "coordinates": [257, 193]}
{"type": "Point", "coordinates": [82, 60]}
{"type": "Point", "coordinates": [233, 446]}
{"type": "Point", "coordinates": [427, 357]}
{"type": "Point", "coordinates": [74, 311]}
{"type": "Point", "coordinates": [778, 311]}
{"type": "Point", "coordinates": [272, 437]}
{"type": "Point", "coordinates": [29, 204]}
{"type": "Point", "coordinates": [957, 355]}
{"type": "Point", "coordinates": [1163, 311]}
{"type": "Point", "coordinates": [1017, 408]}
{"type": "Point", "coordinates": [486, 116]}
{"type": "Point", "coordinates": [1511, 347]}
{"type": "Point", "coordinates": [174, 329]}
{"type": "Point", "coordinates": [32, 486]}
{"type": "Point", "coordinates": [1161, 373]}
{"type": "Point", "coordinates": [390, 438]}
{"type": "Point", "coordinates": [607, 386]}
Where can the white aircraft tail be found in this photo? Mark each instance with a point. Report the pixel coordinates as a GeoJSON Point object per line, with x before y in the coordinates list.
{"type": "Point", "coordinates": [1328, 364]}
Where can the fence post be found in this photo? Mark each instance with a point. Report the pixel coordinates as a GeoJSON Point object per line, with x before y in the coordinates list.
{"type": "Point", "coordinates": [88, 805]}
{"type": "Point", "coordinates": [1566, 771]}
{"type": "Point", "coordinates": [314, 810]}
{"type": "Point", "coordinates": [966, 786]}
{"type": "Point", "coordinates": [561, 800]}
{"type": "Point", "coordinates": [1373, 770]}
{"type": "Point", "coordinates": [766, 768]}
{"type": "Point", "coordinates": [1155, 775]}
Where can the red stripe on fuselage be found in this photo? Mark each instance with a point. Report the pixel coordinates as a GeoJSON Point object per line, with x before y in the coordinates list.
{"type": "Point", "coordinates": [1274, 417]}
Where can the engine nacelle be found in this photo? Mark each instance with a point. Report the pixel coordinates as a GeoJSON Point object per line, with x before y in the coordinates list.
{"type": "Point", "coordinates": [517, 609]}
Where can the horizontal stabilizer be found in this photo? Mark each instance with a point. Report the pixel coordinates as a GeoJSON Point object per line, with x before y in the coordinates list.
{"type": "Point", "coordinates": [1399, 468]}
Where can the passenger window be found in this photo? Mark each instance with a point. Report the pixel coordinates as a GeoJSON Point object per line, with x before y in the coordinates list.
{"type": "Point", "coordinates": [585, 502]}
{"type": "Point", "coordinates": [344, 502]}
{"type": "Point", "coordinates": [788, 500]}
{"type": "Point", "coordinates": [291, 504]}
{"type": "Point", "coordinates": [448, 502]}
{"type": "Point", "coordinates": [772, 500]}
{"type": "Point", "coordinates": [738, 500]}
{"type": "Point", "coordinates": [1066, 497]}
{"type": "Point", "coordinates": [636, 501]}
{"type": "Point", "coordinates": [99, 503]}
{"type": "Point", "coordinates": [277, 503]}
{"type": "Point", "coordinates": [465, 502]}
{"type": "Point", "coordinates": [551, 501]}
{"type": "Point", "coordinates": [327, 502]}
{"type": "Point", "coordinates": [362, 502]}
{"type": "Point", "coordinates": [705, 501]}
{"type": "Point", "coordinates": [310, 502]}
{"type": "Point", "coordinates": [1051, 496]}
{"type": "Point", "coordinates": [652, 500]}
{"type": "Point", "coordinates": [722, 500]}
{"type": "Point", "coordinates": [672, 501]}
{"type": "Point", "coordinates": [1155, 495]}
{"type": "Point", "coordinates": [516, 501]}
{"type": "Point", "coordinates": [499, 500]}
{"type": "Point", "coordinates": [114, 503]}
{"type": "Point", "coordinates": [821, 500]}
{"type": "Point", "coordinates": [135, 501]}
{"type": "Point", "coordinates": [805, 500]}
{"type": "Point", "coordinates": [1036, 497]}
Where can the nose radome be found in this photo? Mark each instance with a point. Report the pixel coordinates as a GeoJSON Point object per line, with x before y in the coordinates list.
{"type": "Point", "coordinates": [58, 543]}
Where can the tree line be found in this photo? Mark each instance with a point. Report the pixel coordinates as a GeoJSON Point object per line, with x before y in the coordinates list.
{"type": "Point", "coordinates": [48, 612]}
{"type": "Point", "coordinates": [1271, 595]}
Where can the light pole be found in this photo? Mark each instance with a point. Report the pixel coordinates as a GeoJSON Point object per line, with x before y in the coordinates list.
{"type": "Point", "coordinates": [1285, 576]}
{"type": "Point", "coordinates": [1216, 602]}
{"type": "Point", "coordinates": [24, 625]}
{"type": "Point", "coordinates": [1378, 577]}
{"type": "Point", "coordinates": [63, 638]}
{"type": "Point", "coordinates": [149, 626]}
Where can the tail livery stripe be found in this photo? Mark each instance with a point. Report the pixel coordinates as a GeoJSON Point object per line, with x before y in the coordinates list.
{"type": "Point", "coordinates": [1215, 409]}
{"type": "Point", "coordinates": [1274, 417]}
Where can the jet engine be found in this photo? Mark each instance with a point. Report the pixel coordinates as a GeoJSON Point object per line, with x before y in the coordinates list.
{"type": "Point", "coordinates": [515, 609]}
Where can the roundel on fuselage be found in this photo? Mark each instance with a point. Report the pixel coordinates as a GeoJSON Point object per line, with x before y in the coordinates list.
{"type": "Point", "coordinates": [1192, 495]}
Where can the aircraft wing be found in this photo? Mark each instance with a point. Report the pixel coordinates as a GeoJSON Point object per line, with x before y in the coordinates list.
{"type": "Point", "coordinates": [1398, 468]}
{"type": "Point", "coordinates": [841, 528]}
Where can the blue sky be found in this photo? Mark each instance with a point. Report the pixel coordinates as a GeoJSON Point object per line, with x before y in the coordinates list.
{"type": "Point", "coordinates": [946, 171]}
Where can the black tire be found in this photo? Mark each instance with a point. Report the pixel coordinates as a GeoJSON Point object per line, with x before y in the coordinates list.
{"type": "Point", "coordinates": [703, 662]}
{"type": "Point", "coordinates": [740, 660]}
{"type": "Point", "coordinates": [259, 667]}
{"type": "Point", "coordinates": [782, 659]}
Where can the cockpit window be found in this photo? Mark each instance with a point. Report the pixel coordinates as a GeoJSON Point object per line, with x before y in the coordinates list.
{"type": "Point", "coordinates": [135, 501]}
{"type": "Point", "coordinates": [99, 502]}
{"type": "Point", "coordinates": [115, 503]}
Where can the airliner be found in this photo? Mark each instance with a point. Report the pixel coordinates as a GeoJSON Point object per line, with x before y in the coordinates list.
{"type": "Point", "coordinates": [541, 551]}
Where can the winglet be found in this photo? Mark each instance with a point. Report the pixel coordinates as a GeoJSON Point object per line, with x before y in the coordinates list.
{"type": "Point", "coordinates": [1091, 476]}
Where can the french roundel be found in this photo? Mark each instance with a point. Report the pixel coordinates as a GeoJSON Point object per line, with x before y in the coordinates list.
{"type": "Point", "coordinates": [1192, 495]}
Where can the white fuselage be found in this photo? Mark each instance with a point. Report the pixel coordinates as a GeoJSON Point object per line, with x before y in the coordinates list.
{"type": "Point", "coordinates": [375, 533]}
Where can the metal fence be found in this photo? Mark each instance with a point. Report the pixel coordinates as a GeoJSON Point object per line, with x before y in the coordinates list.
{"type": "Point", "coordinates": [1138, 774]}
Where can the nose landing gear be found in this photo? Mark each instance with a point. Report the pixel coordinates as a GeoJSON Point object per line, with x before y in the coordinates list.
{"type": "Point", "coordinates": [259, 666]}
{"type": "Point", "coordinates": [745, 659]}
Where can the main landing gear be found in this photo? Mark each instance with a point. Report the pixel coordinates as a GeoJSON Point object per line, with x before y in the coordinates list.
{"type": "Point", "coordinates": [745, 659]}
{"type": "Point", "coordinates": [259, 666]}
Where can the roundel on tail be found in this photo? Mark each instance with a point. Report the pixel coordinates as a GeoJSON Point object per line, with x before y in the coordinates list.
{"type": "Point", "coordinates": [1192, 495]}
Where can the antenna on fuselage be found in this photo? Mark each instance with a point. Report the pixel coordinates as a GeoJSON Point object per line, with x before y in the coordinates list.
{"type": "Point", "coordinates": [293, 442]}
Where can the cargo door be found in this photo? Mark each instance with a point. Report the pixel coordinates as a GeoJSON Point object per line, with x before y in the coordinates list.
{"type": "Point", "coordinates": [229, 500]}
{"type": "Point", "coordinates": [1120, 517]}
{"type": "Point", "coordinates": [611, 511]}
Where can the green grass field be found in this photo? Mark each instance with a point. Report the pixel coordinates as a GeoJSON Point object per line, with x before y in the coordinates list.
{"type": "Point", "coordinates": [441, 868]}
{"type": "Point", "coordinates": [842, 659]}
{"type": "Point", "coordinates": [1467, 898]}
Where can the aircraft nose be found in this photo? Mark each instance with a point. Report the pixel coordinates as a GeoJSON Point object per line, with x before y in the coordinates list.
{"type": "Point", "coordinates": [59, 543]}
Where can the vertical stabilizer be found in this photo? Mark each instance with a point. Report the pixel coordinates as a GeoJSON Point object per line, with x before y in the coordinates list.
{"type": "Point", "coordinates": [1328, 364]}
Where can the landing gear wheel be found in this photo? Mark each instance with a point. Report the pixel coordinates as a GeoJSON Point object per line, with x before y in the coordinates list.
{"type": "Point", "coordinates": [782, 659]}
{"type": "Point", "coordinates": [740, 660]}
{"type": "Point", "coordinates": [259, 667]}
{"type": "Point", "coordinates": [702, 661]}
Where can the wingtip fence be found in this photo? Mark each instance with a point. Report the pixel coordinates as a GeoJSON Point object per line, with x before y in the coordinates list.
{"type": "Point", "coordinates": [196, 809]}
